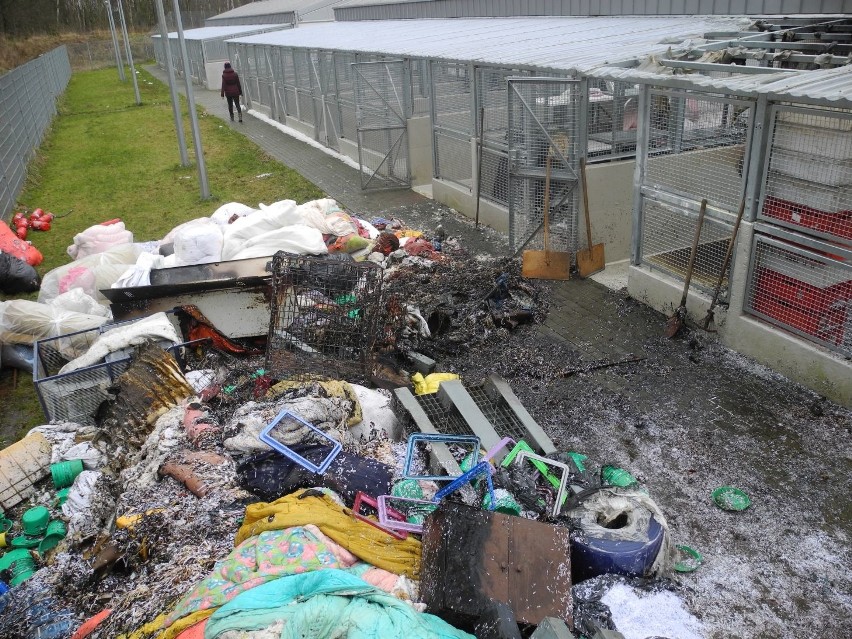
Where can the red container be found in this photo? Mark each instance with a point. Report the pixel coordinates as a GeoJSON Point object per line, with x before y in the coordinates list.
{"type": "Point", "coordinates": [827, 326]}
{"type": "Point", "coordinates": [801, 294]}
{"type": "Point", "coordinates": [838, 224]}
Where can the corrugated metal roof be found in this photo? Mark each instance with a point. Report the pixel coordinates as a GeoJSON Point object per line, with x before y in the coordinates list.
{"type": "Point", "coordinates": [739, 84]}
{"type": "Point", "coordinates": [563, 44]}
{"type": "Point", "coordinates": [308, 10]}
{"type": "Point", "coordinates": [209, 33]}
{"type": "Point", "coordinates": [829, 86]}
{"type": "Point", "coordinates": [825, 86]}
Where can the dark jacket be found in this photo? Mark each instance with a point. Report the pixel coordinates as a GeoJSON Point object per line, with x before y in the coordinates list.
{"type": "Point", "coordinates": [231, 84]}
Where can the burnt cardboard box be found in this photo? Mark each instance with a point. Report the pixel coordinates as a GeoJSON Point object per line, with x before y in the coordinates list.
{"type": "Point", "coordinates": [473, 557]}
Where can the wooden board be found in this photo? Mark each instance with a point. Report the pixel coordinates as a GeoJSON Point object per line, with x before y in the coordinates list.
{"type": "Point", "coordinates": [21, 465]}
{"type": "Point", "coordinates": [473, 557]}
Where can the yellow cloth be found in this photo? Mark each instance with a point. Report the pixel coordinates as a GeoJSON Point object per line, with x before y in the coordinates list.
{"type": "Point", "coordinates": [332, 388]}
{"type": "Point", "coordinates": [430, 383]}
{"type": "Point", "coordinates": [368, 543]}
{"type": "Point", "coordinates": [408, 233]}
{"type": "Point", "coordinates": [154, 628]}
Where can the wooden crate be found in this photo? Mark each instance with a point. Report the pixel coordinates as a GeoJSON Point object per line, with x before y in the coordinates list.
{"type": "Point", "coordinates": [473, 557]}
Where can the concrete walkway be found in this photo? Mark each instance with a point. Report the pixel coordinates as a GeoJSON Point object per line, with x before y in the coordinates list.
{"type": "Point", "coordinates": [688, 418]}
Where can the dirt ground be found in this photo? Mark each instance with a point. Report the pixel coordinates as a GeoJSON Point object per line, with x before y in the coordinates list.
{"type": "Point", "coordinates": [692, 416]}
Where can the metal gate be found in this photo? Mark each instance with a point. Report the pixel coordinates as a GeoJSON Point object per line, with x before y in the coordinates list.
{"type": "Point", "coordinates": [545, 121]}
{"type": "Point", "coordinates": [324, 89]}
{"type": "Point", "coordinates": [382, 109]}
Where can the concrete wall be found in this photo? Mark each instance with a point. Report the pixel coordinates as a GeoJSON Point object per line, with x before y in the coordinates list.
{"type": "Point", "coordinates": [420, 150]}
{"type": "Point", "coordinates": [818, 368]}
{"type": "Point", "coordinates": [610, 207]}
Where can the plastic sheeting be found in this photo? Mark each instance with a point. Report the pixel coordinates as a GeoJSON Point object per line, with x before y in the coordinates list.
{"type": "Point", "coordinates": [91, 273]}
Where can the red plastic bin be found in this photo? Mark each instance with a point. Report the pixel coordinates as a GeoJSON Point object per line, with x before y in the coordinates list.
{"type": "Point", "coordinates": [827, 326]}
{"type": "Point", "coordinates": [838, 224]}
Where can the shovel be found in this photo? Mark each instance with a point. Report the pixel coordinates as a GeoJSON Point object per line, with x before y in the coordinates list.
{"type": "Point", "coordinates": [546, 264]}
{"type": "Point", "coordinates": [725, 263]}
{"type": "Point", "coordinates": [590, 260]}
{"type": "Point", "coordinates": [675, 322]}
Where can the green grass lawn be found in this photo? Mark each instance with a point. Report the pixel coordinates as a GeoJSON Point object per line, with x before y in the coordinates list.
{"type": "Point", "coordinates": [106, 157]}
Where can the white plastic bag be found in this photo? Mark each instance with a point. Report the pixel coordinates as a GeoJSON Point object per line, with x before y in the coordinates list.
{"type": "Point", "coordinates": [24, 322]}
{"type": "Point", "coordinates": [140, 273]}
{"type": "Point", "coordinates": [99, 238]}
{"type": "Point", "coordinates": [78, 301]}
{"type": "Point", "coordinates": [293, 239]}
{"type": "Point", "coordinates": [91, 273]}
{"type": "Point", "coordinates": [224, 213]}
{"type": "Point", "coordinates": [198, 243]}
{"type": "Point", "coordinates": [153, 328]}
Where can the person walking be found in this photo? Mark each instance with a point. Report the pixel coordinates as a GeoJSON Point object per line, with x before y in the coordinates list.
{"type": "Point", "coordinates": [232, 90]}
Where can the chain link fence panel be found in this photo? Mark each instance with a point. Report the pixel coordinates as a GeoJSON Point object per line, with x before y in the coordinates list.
{"type": "Point", "coordinates": [612, 120]}
{"type": "Point", "coordinates": [28, 96]}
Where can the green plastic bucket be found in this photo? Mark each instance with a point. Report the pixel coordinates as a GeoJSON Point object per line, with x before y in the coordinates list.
{"type": "Point", "coordinates": [56, 532]}
{"type": "Point", "coordinates": [64, 473]}
{"type": "Point", "coordinates": [35, 520]}
{"type": "Point", "coordinates": [504, 502]}
{"type": "Point", "coordinates": [408, 488]}
{"type": "Point", "coordinates": [20, 564]}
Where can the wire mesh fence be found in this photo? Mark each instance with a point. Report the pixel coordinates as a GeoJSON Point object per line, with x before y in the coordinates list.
{"type": "Point", "coordinates": [324, 317]}
{"type": "Point", "coordinates": [667, 235]}
{"type": "Point", "coordinates": [98, 54]}
{"type": "Point", "coordinates": [806, 292]}
{"type": "Point", "coordinates": [808, 178]}
{"type": "Point", "coordinates": [27, 105]}
{"type": "Point", "coordinates": [544, 122]}
{"type": "Point", "coordinates": [612, 120]}
{"type": "Point", "coordinates": [697, 146]}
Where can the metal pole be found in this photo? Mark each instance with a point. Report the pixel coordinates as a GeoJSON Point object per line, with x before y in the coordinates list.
{"type": "Point", "coordinates": [193, 115]}
{"type": "Point", "coordinates": [170, 71]}
{"type": "Point", "coordinates": [118, 62]}
{"type": "Point", "coordinates": [128, 52]}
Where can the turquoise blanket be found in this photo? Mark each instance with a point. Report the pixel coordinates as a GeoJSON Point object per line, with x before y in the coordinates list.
{"type": "Point", "coordinates": [327, 604]}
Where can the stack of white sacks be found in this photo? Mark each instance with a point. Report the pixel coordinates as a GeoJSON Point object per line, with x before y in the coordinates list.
{"type": "Point", "coordinates": [105, 256]}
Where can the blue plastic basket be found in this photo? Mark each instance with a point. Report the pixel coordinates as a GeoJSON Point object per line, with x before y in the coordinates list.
{"type": "Point", "coordinates": [288, 452]}
{"type": "Point", "coordinates": [470, 440]}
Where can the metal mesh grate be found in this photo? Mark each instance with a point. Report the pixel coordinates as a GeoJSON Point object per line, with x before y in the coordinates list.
{"type": "Point", "coordinates": [75, 397]}
{"type": "Point", "coordinates": [612, 119]}
{"type": "Point", "coordinates": [805, 292]}
{"type": "Point", "coordinates": [420, 87]}
{"type": "Point", "coordinates": [452, 155]}
{"type": "Point", "coordinates": [495, 176]}
{"type": "Point", "coordinates": [697, 144]}
{"type": "Point", "coordinates": [667, 234]}
{"type": "Point", "coordinates": [324, 317]}
{"type": "Point", "coordinates": [448, 422]}
{"type": "Point", "coordinates": [543, 123]}
{"type": "Point", "coordinates": [505, 423]}
{"type": "Point", "coordinates": [808, 181]}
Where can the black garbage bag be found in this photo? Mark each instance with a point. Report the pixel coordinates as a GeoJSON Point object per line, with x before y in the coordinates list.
{"type": "Point", "coordinates": [590, 613]}
{"type": "Point", "coordinates": [497, 621]}
{"type": "Point", "coordinates": [271, 475]}
{"type": "Point", "coordinates": [16, 276]}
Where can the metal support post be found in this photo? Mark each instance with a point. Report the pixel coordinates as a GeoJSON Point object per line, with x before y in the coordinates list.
{"type": "Point", "coordinates": [642, 137]}
{"type": "Point", "coordinates": [170, 72]}
{"type": "Point", "coordinates": [128, 52]}
{"type": "Point", "coordinates": [118, 62]}
{"type": "Point", "coordinates": [193, 114]}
